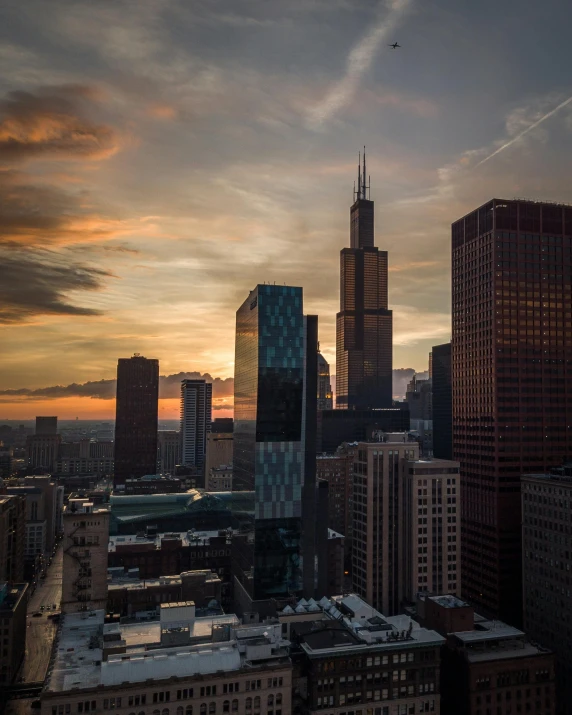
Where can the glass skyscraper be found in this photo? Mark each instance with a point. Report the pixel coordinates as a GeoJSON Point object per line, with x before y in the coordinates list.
{"type": "Point", "coordinates": [274, 428]}
{"type": "Point", "coordinates": [364, 325]}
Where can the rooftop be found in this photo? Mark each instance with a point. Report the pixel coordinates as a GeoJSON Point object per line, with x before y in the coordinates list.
{"type": "Point", "coordinates": [449, 601]}
{"type": "Point", "coordinates": [87, 654]}
{"type": "Point", "coordinates": [356, 625]}
{"type": "Point", "coordinates": [188, 538]}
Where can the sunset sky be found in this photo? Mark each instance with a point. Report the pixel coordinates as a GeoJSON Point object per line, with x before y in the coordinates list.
{"type": "Point", "coordinates": [159, 158]}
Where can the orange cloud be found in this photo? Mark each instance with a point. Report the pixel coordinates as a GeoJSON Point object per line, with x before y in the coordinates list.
{"type": "Point", "coordinates": [51, 124]}
{"type": "Point", "coordinates": [162, 111]}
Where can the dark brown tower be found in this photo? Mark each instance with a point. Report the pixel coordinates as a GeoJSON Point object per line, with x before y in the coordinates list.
{"type": "Point", "coordinates": [364, 323]}
{"type": "Point", "coordinates": [136, 418]}
{"type": "Point", "coordinates": [512, 380]}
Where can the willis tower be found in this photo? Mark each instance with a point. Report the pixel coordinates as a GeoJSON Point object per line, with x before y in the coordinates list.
{"type": "Point", "coordinates": [364, 324]}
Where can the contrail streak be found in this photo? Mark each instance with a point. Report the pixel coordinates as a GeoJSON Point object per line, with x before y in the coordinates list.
{"type": "Point", "coordinates": [358, 62]}
{"type": "Point", "coordinates": [523, 133]}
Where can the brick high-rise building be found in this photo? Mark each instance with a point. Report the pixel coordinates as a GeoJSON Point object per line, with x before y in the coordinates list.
{"type": "Point", "coordinates": [136, 418]}
{"type": "Point", "coordinates": [86, 536]}
{"type": "Point", "coordinates": [364, 324]}
{"type": "Point", "coordinates": [511, 370]}
{"type": "Point", "coordinates": [378, 529]}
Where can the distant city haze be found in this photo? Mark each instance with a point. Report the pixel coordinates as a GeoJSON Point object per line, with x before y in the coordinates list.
{"type": "Point", "coordinates": [96, 400]}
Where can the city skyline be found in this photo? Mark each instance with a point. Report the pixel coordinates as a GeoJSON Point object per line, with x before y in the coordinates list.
{"type": "Point", "coordinates": [155, 172]}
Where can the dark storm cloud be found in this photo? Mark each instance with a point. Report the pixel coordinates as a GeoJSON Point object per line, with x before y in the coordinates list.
{"type": "Point", "coordinates": [169, 387]}
{"type": "Point", "coordinates": [37, 283]}
{"type": "Point", "coordinates": [52, 122]}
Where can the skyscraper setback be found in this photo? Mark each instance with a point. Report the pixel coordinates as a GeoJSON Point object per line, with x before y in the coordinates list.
{"type": "Point", "coordinates": [364, 323]}
{"type": "Point", "coordinates": [136, 418]}
{"type": "Point", "coordinates": [511, 375]}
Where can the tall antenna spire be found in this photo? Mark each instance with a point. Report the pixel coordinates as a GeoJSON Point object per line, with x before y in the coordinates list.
{"type": "Point", "coordinates": [364, 196]}
{"type": "Point", "coordinates": [359, 177]}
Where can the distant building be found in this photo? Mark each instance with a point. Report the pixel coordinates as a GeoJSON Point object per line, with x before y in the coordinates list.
{"type": "Point", "coordinates": [166, 554]}
{"type": "Point", "coordinates": [511, 356]}
{"type": "Point", "coordinates": [46, 425]}
{"type": "Point", "coordinates": [42, 451]}
{"type": "Point", "coordinates": [325, 394]}
{"type": "Point", "coordinates": [442, 402]}
{"type": "Point", "coordinates": [194, 509]}
{"type": "Point", "coordinates": [378, 539]}
{"type": "Point", "coordinates": [196, 417]}
{"type": "Point", "coordinates": [135, 598]}
{"type": "Point", "coordinates": [179, 663]}
{"type": "Point", "coordinates": [222, 425]}
{"type": "Point", "coordinates": [432, 527]}
{"type": "Point", "coordinates": [136, 418]}
{"type": "Point", "coordinates": [13, 602]}
{"type": "Point", "coordinates": [154, 484]}
{"type": "Point", "coordinates": [86, 533]}
{"type": "Point", "coordinates": [220, 449]}
{"type": "Point", "coordinates": [419, 398]}
{"type": "Point", "coordinates": [487, 665]}
{"type": "Point", "coordinates": [351, 657]}
{"type": "Point", "coordinates": [547, 563]}
{"type": "Point", "coordinates": [12, 537]}
{"type": "Point", "coordinates": [338, 426]}
{"type": "Point", "coordinates": [219, 479]}
{"type": "Point", "coordinates": [6, 462]}
{"type": "Point", "coordinates": [87, 456]}
{"type": "Point", "coordinates": [169, 450]}
{"type": "Point", "coordinates": [44, 505]}
{"type": "Point", "coordinates": [364, 325]}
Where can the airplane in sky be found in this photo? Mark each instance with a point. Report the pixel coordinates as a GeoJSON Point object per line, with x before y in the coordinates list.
{"type": "Point", "coordinates": [394, 46]}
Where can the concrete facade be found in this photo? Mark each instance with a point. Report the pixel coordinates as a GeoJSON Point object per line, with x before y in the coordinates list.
{"type": "Point", "coordinates": [378, 544]}
{"type": "Point", "coordinates": [432, 526]}
{"type": "Point", "coordinates": [13, 600]}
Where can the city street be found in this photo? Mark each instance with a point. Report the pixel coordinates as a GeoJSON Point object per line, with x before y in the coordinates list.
{"type": "Point", "coordinates": [41, 630]}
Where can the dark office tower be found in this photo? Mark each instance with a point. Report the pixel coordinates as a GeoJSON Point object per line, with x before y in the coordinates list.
{"type": "Point", "coordinates": [274, 442]}
{"type": "Point", "coordinates": [196, 417]}
{"type": "Point", "coordinates": [136, 418]}
{"type": "Point", "coordinates": [46, 425]}
{"type": "Point", "coordinates": [364, 324]}
{"type": "Point", "coordinates": [512, 379]}
{"type": "Point", "coordinates": [442, 402]}
{"type": "Point", "coordinates": [325, 396]}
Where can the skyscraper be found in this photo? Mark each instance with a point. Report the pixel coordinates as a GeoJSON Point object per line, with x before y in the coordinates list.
{"type": "Point", "coordinates": [325, 397]}
{"type": "Point", "coordinates": [136, 418]}
{"type": "Point", "coordinates": [196, 417]}
{"type": "Point", "coordinates": [364, 323]}
{"type": "Point", "coordinates": [442, 402]}
{"type": "Point", "coordinates": [511, 373]}
{"type": "Point", "coordinates": [274, 443]}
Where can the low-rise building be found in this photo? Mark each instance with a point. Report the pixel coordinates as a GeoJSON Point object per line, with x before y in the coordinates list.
{"type": "Point", "coordinates": [488, 666]}
{"type": "Point", "coordinates": [13, 600]}
{"type": "Point", "coordinates": [179, 664]}
{"type": "Point", "coordinates": [219, 479]}
{"type": "Point", "coordinates": [154, 484]}
{"type": "Point", "coordinates": [167, 554]}
{"type": "Point", "coordinates": [350, 658]}
{"type": "Point", "coordinates": [133, 597]}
